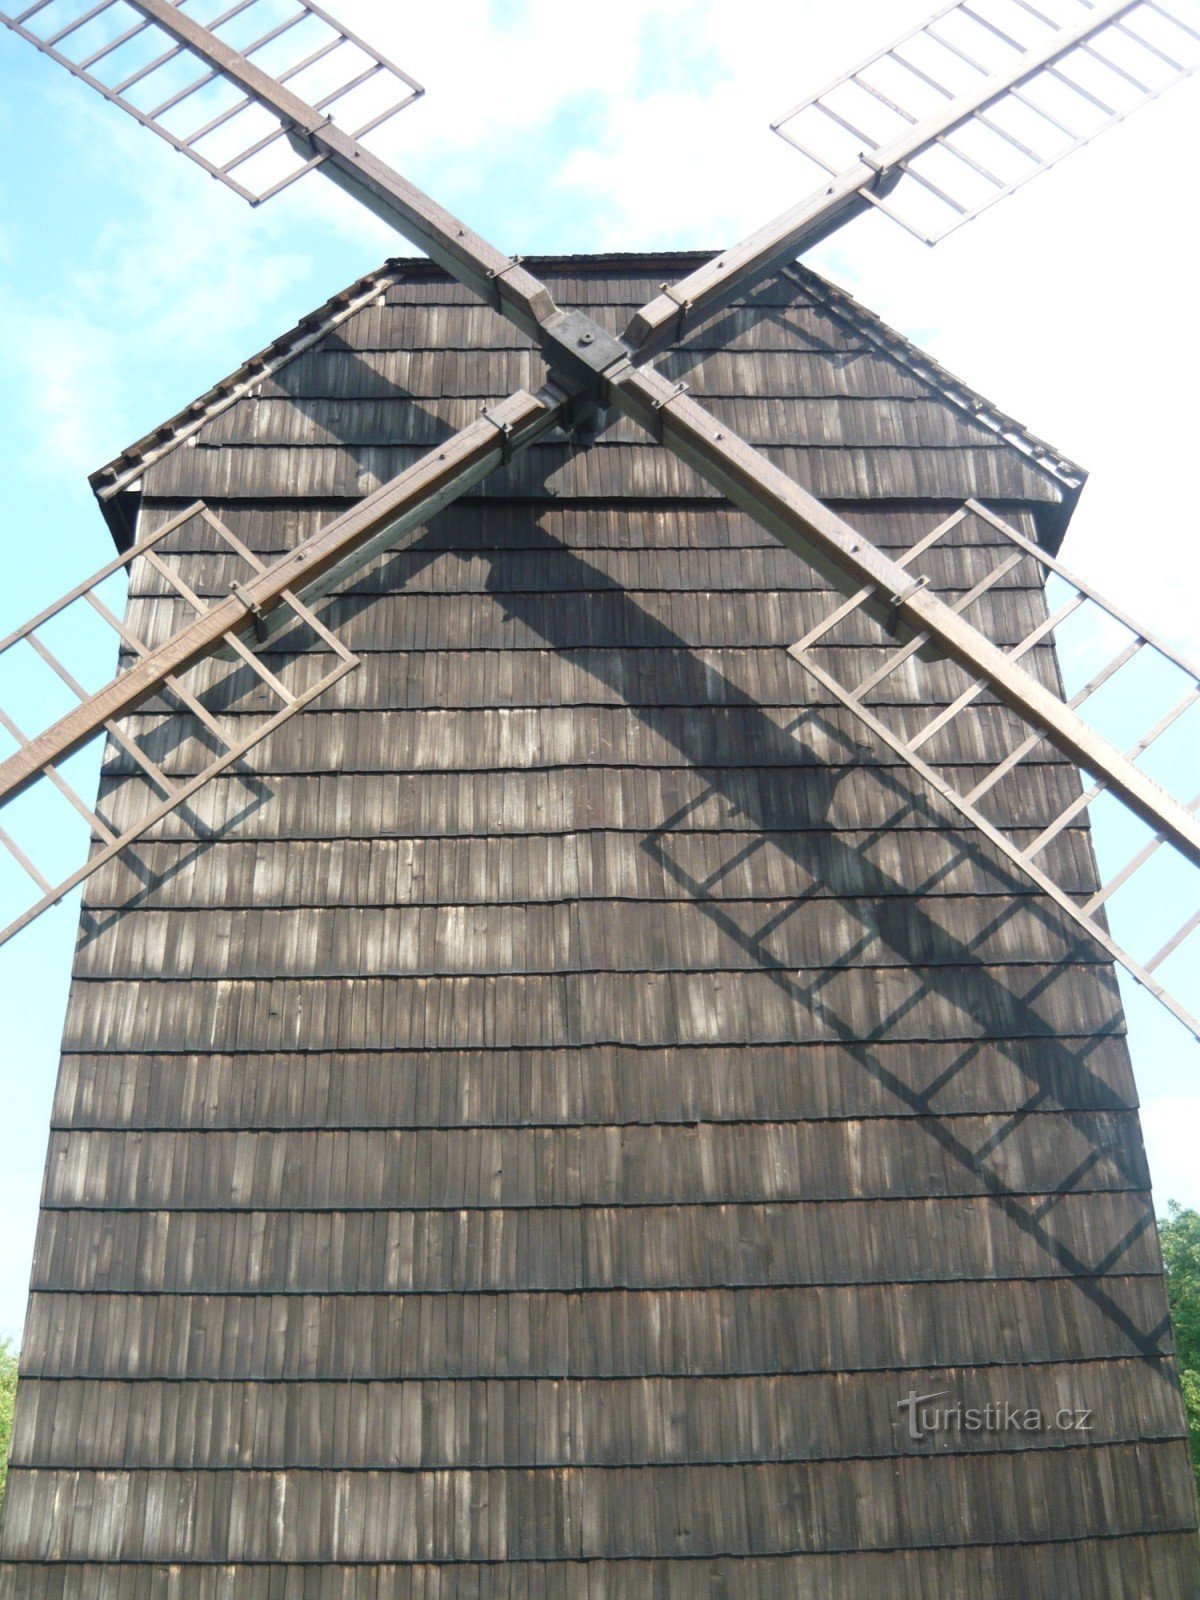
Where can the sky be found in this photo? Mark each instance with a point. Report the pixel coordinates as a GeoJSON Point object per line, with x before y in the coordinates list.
{"type": "Point", "coordinates": [130, 282]}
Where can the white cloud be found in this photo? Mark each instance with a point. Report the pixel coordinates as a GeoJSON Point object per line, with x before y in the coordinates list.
{"type": "Point", "coordinates": [1169, 1129]}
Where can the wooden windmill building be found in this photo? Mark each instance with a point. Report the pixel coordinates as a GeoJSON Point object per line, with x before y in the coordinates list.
{"type": "Point", "coordinates": [596, 1105]}
{"type": "Point", "coordinates": [524, 1132]}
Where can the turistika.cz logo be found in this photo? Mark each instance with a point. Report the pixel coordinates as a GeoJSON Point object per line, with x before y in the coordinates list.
{"type": "Point", "coordinates": [923, 1417]}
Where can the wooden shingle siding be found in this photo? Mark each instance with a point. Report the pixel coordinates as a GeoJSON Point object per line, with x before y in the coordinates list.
{"type": "Point", "coordinates": [454, 1424]}
{"type": "Point", "coordinates": [606, 1086]}
{"type": "Point", "coordinates": [520, 1135]}
{"type": "Point", "coordinates": [598, 1333]}
{"type": "Point", "coordinates": [1103, 1569]}
{"type": "Point", "coordinates": [589, 1513]}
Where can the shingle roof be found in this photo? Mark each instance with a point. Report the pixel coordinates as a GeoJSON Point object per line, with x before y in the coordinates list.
{"type": "Point", "coordinates": [1036, 472]}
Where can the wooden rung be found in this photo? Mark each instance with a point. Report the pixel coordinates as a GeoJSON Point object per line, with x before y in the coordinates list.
{"type": "Point", "coordinates": [1173, 943]}
{"type": "Point", "coordinates": [886, 100]}
{"type": "Point", "coordinates": [970, 161]}
{"type": "Point", "coordinates": [77, 22]}
{"type": "Point", "coordinates": [199, 711]}
{"type": "Point", "coordinates": [1121, 659]}
{"type": "Point", "coordinates": [252, 661]}
{"type": "Point", "coordinates": [933, 188]}
{"type": "Point", "coordinates": [804, 150]}
{"type": "Point", "coordinates": [14, 849]}
{"type": "Point", "coordinates": [114, 622]}
{"type": "Point", "coordinates": [232, 540]}
{"type": "Point", "coordinates": [1051, 833]}
{"type": "Point", "coordinates": [56, 666]}
{"type": "Point", "coordinates": [923, 735]}
{"type": "Point", "coordinates": [182, 94]}
{"type": "Point", "coordinates": [10, 727]}
{"type": "Point", "coordinates": [310, 620]}
{"type": "Point", "coordinates": [1038, 111]}
{"type": "Point", "coordinates": [1003, 768]}
{"type": "Point", "coordinates": [176, 582]}
{"type": "Point", "coordinates": [148, 766]}
{"type": "Point", "coordinates": [1077, 88]}
{"type": "Point", "coordinates": [1113, 66]}
{"type": "Point", "coordinates": [214, 123]}
{"type": "Point", "coordinates": [1009, 138]}
{"type": "Point", "coordinates": [931, 32]}
{"type": "Point", "coordinates": [843, 122]}
{"type": "Point", "coordinates": [921, 639]}
{"type": "Point", "coordinates": [88, 815]}
{"type": "Point", "coordinates": [1131, 866]}
{"type": "Point", "coordinates": [1160, 727]}
{"type": "Point", "coordinates": [1121, 26]}
{"type": "Point", "coordinates": [110, 45]}
{"type": "Point", "coordinates": [919, 72]}
{"type": "Point", "coordinates": [1152, 5]}
{"type": "Point", "coordinates": [149, 67]}
{"type": "Point", "coordinates": [984, 22]}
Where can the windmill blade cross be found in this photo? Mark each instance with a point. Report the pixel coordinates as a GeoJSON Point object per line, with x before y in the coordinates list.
{"type": "Point", "coordinates": [596, 370]}
{"type": "Point", "coordinates": [1000, 99]}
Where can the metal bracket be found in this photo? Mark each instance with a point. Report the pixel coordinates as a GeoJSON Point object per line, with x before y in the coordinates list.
{"type": "Point", "coordinates": [897, 600]}
{"type": "Point", "coordinates": [255, 610]}
{"type": "Point", "coordinates": [660, 405]}
{"type": "Point", "coordinates": [496, 273]}
{"type": "Point", "coordinates": [685, 307]}
{"type": "Point", "coordinates": [504, 429]}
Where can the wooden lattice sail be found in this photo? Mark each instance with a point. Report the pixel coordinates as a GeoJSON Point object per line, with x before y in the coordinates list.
{"type": "Point", "coordinates": [533, 1123]}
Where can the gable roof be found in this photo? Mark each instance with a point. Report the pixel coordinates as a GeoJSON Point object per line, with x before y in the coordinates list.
{"type": "Point", "coordinates": [1036, 474]}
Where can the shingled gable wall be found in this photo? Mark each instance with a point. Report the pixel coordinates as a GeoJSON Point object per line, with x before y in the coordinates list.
{"type": "Point", "coordinates": [578, 1086]}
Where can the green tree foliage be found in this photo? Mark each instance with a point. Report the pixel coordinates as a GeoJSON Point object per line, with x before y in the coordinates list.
{"type": "Point", "coordinates": [8, 1394]}
{"type": "Point", "coordinates": [1179, 1232]}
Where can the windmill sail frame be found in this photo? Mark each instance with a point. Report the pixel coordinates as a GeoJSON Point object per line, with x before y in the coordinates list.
{"type": "Point", "coordinates": [599, 371]}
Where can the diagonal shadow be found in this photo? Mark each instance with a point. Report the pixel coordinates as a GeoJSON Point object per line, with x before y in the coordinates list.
{"type": "Point", "coordinates": [780, 747]}
{"type": "Point", "coordinates": [902, 934]}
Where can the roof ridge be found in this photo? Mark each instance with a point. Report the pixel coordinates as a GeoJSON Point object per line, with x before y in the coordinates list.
{"type": "Point", "coordinates": [120, 475]}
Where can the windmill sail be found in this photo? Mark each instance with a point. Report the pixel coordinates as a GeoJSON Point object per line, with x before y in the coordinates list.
{"type": "Point", "coordinates": [966, 109]}
{"type": "Point", "coordinates": [948, 120]}
{"type": "Point", "coordinates": [317, 70]}
{"type": "Point", "coordinates": [1156, 879]}
{"type": "Point", "coordinates": [263, 601]}
{"type": "Point", "coordinates": [587, 362]}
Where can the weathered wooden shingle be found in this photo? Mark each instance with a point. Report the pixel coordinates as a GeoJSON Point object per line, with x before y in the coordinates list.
{"type": "Point", "coordinates": [520, 1136]}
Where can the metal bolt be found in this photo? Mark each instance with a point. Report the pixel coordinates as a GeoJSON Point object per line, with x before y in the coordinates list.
{"type": "Point", "coordinates": [585, 338]}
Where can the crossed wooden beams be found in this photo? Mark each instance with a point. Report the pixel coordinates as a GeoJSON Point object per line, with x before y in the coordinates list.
{"type": "Point", "coordinates": [591, 371]}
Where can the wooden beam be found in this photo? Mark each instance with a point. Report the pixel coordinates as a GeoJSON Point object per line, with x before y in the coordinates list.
{"type": "Point", "coordinates": [660, 322]}
{"type": "Point", "coordinates": [495, 277]}
{"type": "Point", "coordinates": [330, 554]}
{"type": "Point", "coordinates": [849, 560]}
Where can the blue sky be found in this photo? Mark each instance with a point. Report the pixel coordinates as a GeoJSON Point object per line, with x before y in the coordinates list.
{"type": "Point", "coordinates": [131, 282]}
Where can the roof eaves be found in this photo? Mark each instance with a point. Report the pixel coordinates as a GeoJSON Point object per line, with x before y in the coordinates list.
{"type": "Point", "coordinates": [1067, 474]}
{"type": "Point", "coordinates": [115, 481]}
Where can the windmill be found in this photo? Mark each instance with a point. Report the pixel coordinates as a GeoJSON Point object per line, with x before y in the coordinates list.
{"type": "Point", "coordinates": [987, 125]}
{"type": "Point", "coordinates": [1024, 91]}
